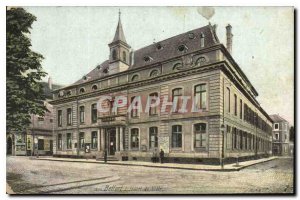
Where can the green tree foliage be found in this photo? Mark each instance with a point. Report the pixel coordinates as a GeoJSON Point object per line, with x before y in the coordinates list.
{"type": "Point", "coordinates": [24, 92]}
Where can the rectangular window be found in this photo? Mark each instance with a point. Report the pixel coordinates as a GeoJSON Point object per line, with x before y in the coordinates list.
{"type": "Point", "coordinates": [241, 139]}
{"type": "Point", "coordinates": [177, 136]}
{"type": "Point", "coordinates": [134, 138]}
{"type": "Point", "coordinates": [134, 110]}
{"type": "Point", "coordinates": [69, 116]}
{"type": "Point", "coordinates": [241, 109]}
{"type": "Point", "coordinates": [200, 135]}
{"type": "Point", "coordinates": [229, 137]}
{"type": "Point", "coordinates": [94, 140]}
{"type": "Point", "coordinates": [153, 139]}
{"type": "Point", "coordinates": [59, 118]}
{"type": "Point", "coordinates": [153, 110]}
{"type": "Point", "coordinates": [200, 96]}
{"type": "Point", "coordinates": [81, 140]}
{"type": "Point", "coordinates": [94, 113]}
{"type": "Point", "coordinates": [235, 105]}
{"type": "Point", "coordinates": [176, 94]}
{"type": "Point", "coordinates": [228, 100]}
{"type": "Point", "coordinates": [234, 138]}
{"type": "Point", "coordinates": [59, 141]}
{"type": "Point", "coordinates": [81, 114]}
{"type": "Point", "coordinates": [276, 136]}
{"type": "Point", "coordinates": [276, 126]}
{"type": "Point", "coordinates": [40, 144]}
{"type": "Point", "coordinates": [69, 140]}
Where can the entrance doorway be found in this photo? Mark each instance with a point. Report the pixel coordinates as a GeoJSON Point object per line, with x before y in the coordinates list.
{"type": "Point", "coordinates": [9, 146]}
{"type": "Point", "coordinates": [111, 141]}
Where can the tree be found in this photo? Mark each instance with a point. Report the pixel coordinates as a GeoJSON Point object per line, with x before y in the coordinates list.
{"type": "Point", "coordinates": [292, 133]}
{"type": "Point", "coordinates": [24, 92]}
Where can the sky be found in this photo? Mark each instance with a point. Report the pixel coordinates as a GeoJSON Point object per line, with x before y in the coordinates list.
{"type": "Point", "coordinates": [74, 40]}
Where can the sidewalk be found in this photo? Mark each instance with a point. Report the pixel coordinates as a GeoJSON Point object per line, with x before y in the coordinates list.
{"type": "Point", "coordinates": [228, 167]}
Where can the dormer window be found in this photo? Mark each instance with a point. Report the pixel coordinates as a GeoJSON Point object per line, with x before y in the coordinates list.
{"type": "Point", "coordinates": [177, 66]}
{"type": "Point", "coordinates": [159, 46]}
{"type": "Point", "coordinates": [61, 93]}
{"type": "Point", "coordinates": [191, 36]}
{"type": "Point", "coordinates": [200, 61]}
{"type": "Point", "coordinates": [99, 67]}
{"type": "Point", "coordinates": [105, 71]}
{"type": "Point", "coordinates": [84, 78]}
{"type": "Point", "coordinates": [154, 73]}
{"type": "Point", "coordinates": [135, 78]}
{"type": "Point", "coordinates": [182, 48]}
{"type": "Point", "coordinates": [147, 58]}
{"type": "Point", "coordinates": [82, 90]}
{"type": "Point", "coordinates": [201, 40]}
{"type": "Point", "coordinates": [69, 93]}
{"type": "Point", "coordinates": [94, 87]}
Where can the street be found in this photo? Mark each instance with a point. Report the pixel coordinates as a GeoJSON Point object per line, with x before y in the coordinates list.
{"type": "Point", "coordinates": [26, 176]}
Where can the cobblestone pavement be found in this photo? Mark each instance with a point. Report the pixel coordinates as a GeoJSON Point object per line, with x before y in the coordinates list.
{"type": "Point", "coordinates": [39, 176]}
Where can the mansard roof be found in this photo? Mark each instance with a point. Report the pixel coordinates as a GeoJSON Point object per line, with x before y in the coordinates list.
{"type": "Point", "coordinates": [276, 118]}
{"type": "Point", "coordinates": [160, 51]}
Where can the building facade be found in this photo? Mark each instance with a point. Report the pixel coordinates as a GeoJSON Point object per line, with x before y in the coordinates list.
{"type": "Point", "coordinates": [281, 136]}
{"type": "Point", "coordinates": [38, 137]}
{"type": "Point", "coordinates": [229, 123]}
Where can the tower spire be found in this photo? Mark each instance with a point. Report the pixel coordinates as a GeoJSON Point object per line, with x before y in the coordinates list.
{"type": "Point", "coordinates": [119, 35]}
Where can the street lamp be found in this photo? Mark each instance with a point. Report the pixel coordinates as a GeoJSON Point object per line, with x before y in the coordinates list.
{"type": "Point", "coordinates": [222, 128]}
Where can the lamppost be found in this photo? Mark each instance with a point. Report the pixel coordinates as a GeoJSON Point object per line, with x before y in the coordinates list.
{"type": "Point", "coordinates": [222, 128]}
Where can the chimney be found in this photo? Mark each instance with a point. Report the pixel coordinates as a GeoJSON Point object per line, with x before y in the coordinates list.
{"type": "Point", "coordinates": [229, 36]}
{"type": "Point", "coordinates": [50, 82]}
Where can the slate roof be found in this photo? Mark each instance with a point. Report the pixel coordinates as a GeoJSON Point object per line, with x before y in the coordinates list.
{"type": "Point", "coordinates": [119, 35]}
{"type": "Point", "coordinates": [169, 49]}
{"type": "Point", "coordinates": [277, 118]}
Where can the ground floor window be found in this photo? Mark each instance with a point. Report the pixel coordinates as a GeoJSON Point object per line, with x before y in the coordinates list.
{"type": "Point", "coordinates": [94, 140]}
{"type": "Point", "coordinates": [228, 137]}
{"type": "Point", "coordinates": [40, 144]}
{"type": "Point", "coordinates": [69, 141]}
{"type": "Point", "coordinates": [234, 138]}
{"type": "Point", "coordinates": [134, 138]}
{"type": "Point", "coordinates": [200, 135]}
{"type": "Point", "coordinates": [241, 139]}
{"type": "Point", "coordinates": [81, 140]}
{"type": "Point", "coordinates": [59, 141]}
{"type": "Point", "coordinates": [153, 139]}
{"type": "Point", "coordinates": [176, 136]}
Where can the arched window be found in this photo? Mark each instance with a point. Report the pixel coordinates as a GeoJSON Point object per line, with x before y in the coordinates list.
{"type": "Point", "coordinates": [177, 66]}
{"type": "Point", "coordinates": [154, 73]}
{"type": "Point", "coordinates": [135, 78]}
{"type": "Point", "coordinates": [82, 90]}
{"type": "Point", "coordinates": [124, 56]}
{"type": "Point", "coordinates": [201, 40]}
{"type": "Point", "coordinates": [114, 54]}
{"type": "Point", "coordinates": [200, 61]}
{"type": "Point", "coordinates": [94, 87]}
{"type": "Point", "coordinates": [177, 136]}
{"type": "Point", "coordinates": [200, 135]}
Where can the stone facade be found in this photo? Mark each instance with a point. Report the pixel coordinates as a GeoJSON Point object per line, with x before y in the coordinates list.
{"type": "Point", "coordinates": [182, 62]}
{"type": "Point", "coordinates": [281, 136]}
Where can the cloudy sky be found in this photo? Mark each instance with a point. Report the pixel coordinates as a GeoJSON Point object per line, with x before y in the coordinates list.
{"type": "Point", "coordinates": [74, 40]}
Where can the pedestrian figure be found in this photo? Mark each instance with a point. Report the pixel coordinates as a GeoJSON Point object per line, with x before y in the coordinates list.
{"type": "Point", "coordinates": [105, 156]}
{"type": "Point", "coordinates": [161, 155]}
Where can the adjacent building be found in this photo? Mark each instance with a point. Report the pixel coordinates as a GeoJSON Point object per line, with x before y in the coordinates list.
{"type": "Point", "coordinates": [230, 122]}
{"type": "Point", "coordinates": [281, 136]}
{"type": "Point", "coordinates": [38, 137]}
